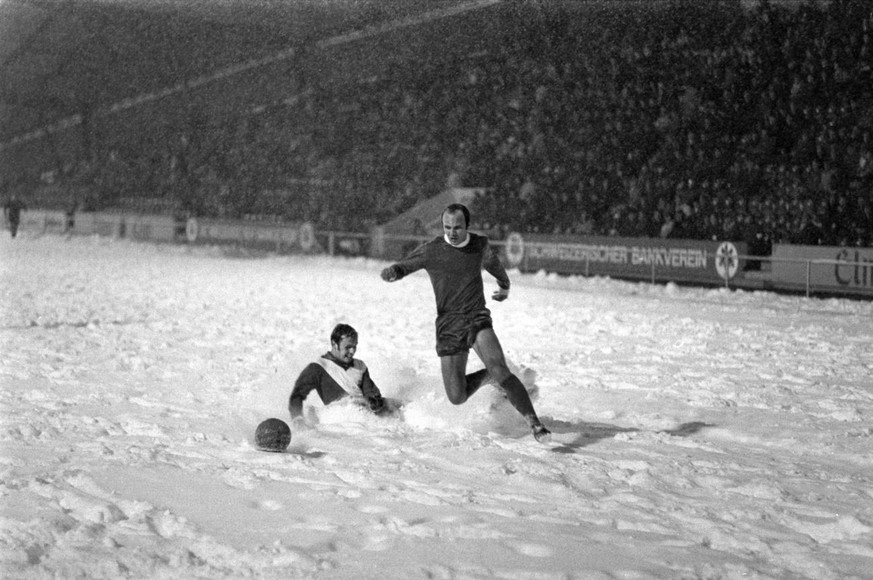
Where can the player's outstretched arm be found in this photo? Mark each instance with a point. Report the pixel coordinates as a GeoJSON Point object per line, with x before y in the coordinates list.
{"type": "Point", "coordinates": [415, 261]}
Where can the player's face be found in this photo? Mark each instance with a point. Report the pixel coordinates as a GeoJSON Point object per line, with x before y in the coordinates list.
{"type": "Point", "coordinates": [454, 227]}
{"type": "Point", "coordinates": [345, 350]}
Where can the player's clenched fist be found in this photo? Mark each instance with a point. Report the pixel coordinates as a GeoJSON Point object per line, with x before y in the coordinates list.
{"type": "Point", "coordinates": [390, 274]}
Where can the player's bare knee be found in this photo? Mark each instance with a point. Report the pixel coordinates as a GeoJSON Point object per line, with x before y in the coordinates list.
{"type": "Point", "coordinates": [456, 397]}
{"type": "Point", "coordinates": [456, 391]}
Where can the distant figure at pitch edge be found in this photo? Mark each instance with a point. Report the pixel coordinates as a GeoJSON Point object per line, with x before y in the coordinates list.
{"type": "Point", "coordinates": [12, 212]}
{"type": "Point", "coordinates": [454, 262]}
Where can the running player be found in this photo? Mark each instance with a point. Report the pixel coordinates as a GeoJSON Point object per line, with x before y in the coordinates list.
{"type": "Point", "coordinates": [454, 263]}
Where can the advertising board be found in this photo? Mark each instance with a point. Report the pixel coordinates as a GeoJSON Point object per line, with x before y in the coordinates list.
{"type": "Point", "coordinates": [42, 221]}
{"type": "Point", "coordinates": [639, 258]}
{"type": "Point", "coordinates": [825, 268]}
{"type": "Point", "coordinates": [150, 227]}
{"type": "Point", "coordinates": [100, 224]}
{"type": "Point", "coordinates": [272, 237]}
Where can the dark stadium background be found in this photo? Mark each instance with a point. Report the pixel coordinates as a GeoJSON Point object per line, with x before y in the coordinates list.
{"type": "Point", "coordinates": [747, 121]}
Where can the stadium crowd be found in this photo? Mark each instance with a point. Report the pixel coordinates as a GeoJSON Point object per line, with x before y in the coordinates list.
{"type": "Point", "coordinates": [739, 125]}
{"type": "Point", "coordinates": [686, 120]}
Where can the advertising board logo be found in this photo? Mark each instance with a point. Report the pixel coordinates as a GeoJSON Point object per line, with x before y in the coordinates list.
{"type": "Point", "coordinates": [727, 260]}
{"type": "Point", "coordinates": [853, 268]}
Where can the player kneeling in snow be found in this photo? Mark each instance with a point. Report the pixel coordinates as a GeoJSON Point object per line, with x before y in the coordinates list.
{"type": "Point", "coordinates": [337, 374]}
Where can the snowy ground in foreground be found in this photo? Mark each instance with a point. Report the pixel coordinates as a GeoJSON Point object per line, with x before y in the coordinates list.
{"type": "Point", "coordinates": [698, 433]}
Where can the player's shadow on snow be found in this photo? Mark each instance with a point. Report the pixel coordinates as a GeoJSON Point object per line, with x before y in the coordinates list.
{"type": "Point", "coordinates": [590, 433]}
{"type": "Point", "coordinates": [306, 454]}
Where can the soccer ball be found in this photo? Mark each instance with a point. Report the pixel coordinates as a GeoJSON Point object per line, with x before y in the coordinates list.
{"type": "Point", "coordinates": [273, 435]}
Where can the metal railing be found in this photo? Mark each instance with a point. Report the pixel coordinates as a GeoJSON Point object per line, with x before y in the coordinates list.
{"type": "Point", "coordinates": [808, 264]}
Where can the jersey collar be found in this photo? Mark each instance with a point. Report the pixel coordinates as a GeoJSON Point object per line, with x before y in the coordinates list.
{"type": "Point", "coordinates": [461, 245]}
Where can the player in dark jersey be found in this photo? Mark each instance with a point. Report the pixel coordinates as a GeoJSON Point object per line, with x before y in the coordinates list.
{"type": "Point", "coordinates": [454, 263]}
{"type": "Point", "coordinates": [337, 374]}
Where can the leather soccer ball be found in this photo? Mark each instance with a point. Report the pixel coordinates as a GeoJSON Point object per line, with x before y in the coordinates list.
{"type": "Point", "coordinates": [273, 435]}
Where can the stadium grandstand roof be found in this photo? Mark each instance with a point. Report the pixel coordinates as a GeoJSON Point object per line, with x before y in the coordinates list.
{"type": "Point", "coordinates": [60, 59]}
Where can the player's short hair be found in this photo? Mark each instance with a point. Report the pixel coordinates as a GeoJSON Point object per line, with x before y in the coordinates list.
{"type": "Point", "coordinates": [340, 331]}
{"type": "Point", "coordinates": [453, 207]}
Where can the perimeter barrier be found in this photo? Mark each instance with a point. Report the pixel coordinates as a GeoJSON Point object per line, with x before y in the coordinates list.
{"type": "Point", "coordinates": [824, 270]}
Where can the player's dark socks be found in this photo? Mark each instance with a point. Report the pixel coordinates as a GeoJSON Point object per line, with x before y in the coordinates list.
{"type": "Point", "coordinates": [519, 398]}
{"type": "Point", "coordinates": [541, 434]}
{"type": "Point", "coordinates": [476, 380]}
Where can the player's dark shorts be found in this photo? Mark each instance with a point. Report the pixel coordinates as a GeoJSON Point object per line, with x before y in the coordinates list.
{"type": "Point", "coordinates": [456, 331]}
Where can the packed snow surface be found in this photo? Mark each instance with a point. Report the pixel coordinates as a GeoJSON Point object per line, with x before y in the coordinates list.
{"type": "Point", "coordinates": [698, 433]}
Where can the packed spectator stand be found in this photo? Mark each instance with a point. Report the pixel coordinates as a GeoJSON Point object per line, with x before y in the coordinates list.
{"type": "Point", "coordinates": [697, 120]}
